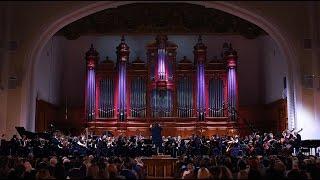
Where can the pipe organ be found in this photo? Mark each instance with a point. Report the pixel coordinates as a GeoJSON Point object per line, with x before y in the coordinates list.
{"type": "Point", "coordinates": [216, 97]}
{"type": "Point", "coordinates": [138, 97]}
{"type": "Point", "coordinates": [106, 94]}
{"type": "Point", "coordinates": [159, 88]}
{"type": "Point", "coordinates": [161, 54]}
{"type": "Point", "coordinates": [185, 97]}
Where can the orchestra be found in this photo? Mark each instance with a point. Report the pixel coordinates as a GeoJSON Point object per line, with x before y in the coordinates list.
{"type": "Point", "coordinates": [135, 146]}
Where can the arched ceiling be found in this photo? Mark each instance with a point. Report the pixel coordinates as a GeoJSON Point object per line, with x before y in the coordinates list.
{"type": "Point", "coordinates": [154, 18]}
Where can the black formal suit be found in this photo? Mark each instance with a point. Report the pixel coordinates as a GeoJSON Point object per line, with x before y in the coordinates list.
{"type": "Point", "coordinates": [156, 135]}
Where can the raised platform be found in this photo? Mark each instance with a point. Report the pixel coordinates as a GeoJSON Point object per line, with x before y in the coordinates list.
{"type": "Point", "coordinates": [161, 166]}
{"type": "Point", "coordinates": [171, 127]}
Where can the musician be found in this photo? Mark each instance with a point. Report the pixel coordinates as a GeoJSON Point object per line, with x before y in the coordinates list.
{"type": "Point", "coordinates": [24, 148]}
{"type": "Point", "coordinates": [120, 147]}
{"type": "Point", "coordinates": [287, 135]}
{"type": "Point", "coordinates": [205, 146]}
{"type": "Point", "coordinates": [297, 142]}
{"type": "Point", "coordinates": [288, 141]}
{"type": "Point", "coordinates": [3, 145]}
{"type": "Point", "coordinates": [78, 148]}
{"type": "Point", "coordinates": [101, 146]}
{"type": "Point", "coordinates": [268, 143]}
{"type": "Point", "coordinates": [215, 145]}
{"type": "Point", "coordinates": [14, 144]}
{"type": "Point", "coordinates": [36, 146]}
{"type": "Point", "coordinates": [181, 146]}
{"type": "Point", "coordinates": [197, 144]}
{"type": "Point", "coordinates": [235, 150]}
{"type": "Point", "coordinates": [51, 129]}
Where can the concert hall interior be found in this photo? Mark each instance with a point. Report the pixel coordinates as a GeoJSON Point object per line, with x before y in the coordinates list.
{"type": "Point", "coordinates": [199, 68]}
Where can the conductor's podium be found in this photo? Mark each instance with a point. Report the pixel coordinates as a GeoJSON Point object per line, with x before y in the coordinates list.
{"type": "Point", "coordinates": [160, 166]}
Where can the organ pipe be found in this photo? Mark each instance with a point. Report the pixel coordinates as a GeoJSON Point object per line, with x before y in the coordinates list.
{"type": "Point", "coordinates": [138, 104]}
{"type": "Point", "coordinates": [92, 57]}
{"type": "Point", "coordinates": [184, 95]}
{"type": "Point", "coordinates": [200, 52]}
{"type": "Point", "coordinates": [216, 97]}
{"type": "Point", "coordinates": [106, 106]}
{"type": "Point", "coordinates": [231, 57]}
{"type": "Point", "coordinates": [122, 58]}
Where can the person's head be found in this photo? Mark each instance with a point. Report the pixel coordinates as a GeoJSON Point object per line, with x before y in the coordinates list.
{"type": "Point", "coordinates": [225, 173]}
{"type": "Point", "coordinates": [242, 174]}
{"type": "Point", "coordinates": [203, 163]}
{"type": "Point", "coordinates": [266, 162]}
{"type": "Point", "coordinates": [112, 167]}
{"type": "Point", "coordinates": [203, 173]}
{"type": "Point", "coordinates": [253, 162]}
{"type": "Point", "coordinates": [128, 164]}
{"type": "Point", "coordinates": [294, 174]}
{"type": "Point", "coordinates": [318, 163]}
{"type": "Point", "coordinates": [59, 171]}
{"type": "Point", "coordinates": [279, 168]}
{"type": "Point", "coordinates": [27, 166]}
{"type": "Point", "coordinates": [242, 165]}
{"type": "Point", "coordinates": [295, 164]}
{"type": "Point", "coordinates": [190, 167]}
{"type": "Point", "coordinates": [43, 174]}
{"type": "Point", "coordinates": [254, 174]}
{"type": "Point", "coordinates": [20, 170]}
{"type": "Point", "coordinates": [271, 135]}
{"type": "Point", "coordinates": [53, 161]}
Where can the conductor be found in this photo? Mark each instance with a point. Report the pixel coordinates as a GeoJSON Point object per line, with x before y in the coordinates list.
{"type": "Point", "coordinates": [156, 134]}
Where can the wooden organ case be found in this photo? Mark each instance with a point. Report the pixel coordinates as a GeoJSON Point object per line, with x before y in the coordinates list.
{"type": "Point", "coordinates": [185, 97]}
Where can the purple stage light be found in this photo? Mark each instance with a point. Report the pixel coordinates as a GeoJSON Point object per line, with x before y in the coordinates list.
{"type": "Point", "coordinates": [91, 93]}
{"type": "Point", "coordinates": [232, 90]}
{"type": "Point", "coordinates": [200, 88]}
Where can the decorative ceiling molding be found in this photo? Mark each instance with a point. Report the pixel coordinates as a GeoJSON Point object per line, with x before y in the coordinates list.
{"type": "Point", "coordinates": [155, 18]}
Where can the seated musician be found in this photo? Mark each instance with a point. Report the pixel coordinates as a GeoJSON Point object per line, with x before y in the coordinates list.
{"type": "Point", "coordinates": [297, 142]}
{"type": "Point", "coordinates": [3, 145]}
{"type": "Point", "coordinates": [268, 143]}
{"type": "Point", "coordinates": [14, 144]}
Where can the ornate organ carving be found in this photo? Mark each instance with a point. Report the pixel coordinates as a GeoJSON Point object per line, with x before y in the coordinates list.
{"type": "Point", "coordinates": [161, 56]}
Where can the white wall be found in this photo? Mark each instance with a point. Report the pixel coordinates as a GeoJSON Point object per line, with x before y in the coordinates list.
{"type": "Point", "coordinates": [49, 71]}
{"type": "Point", "coordinates": [3, 61]}
{"type": "Point", "coordinates": [5, 27]}
{"type": "Point", "coordinates": [274, 69]}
